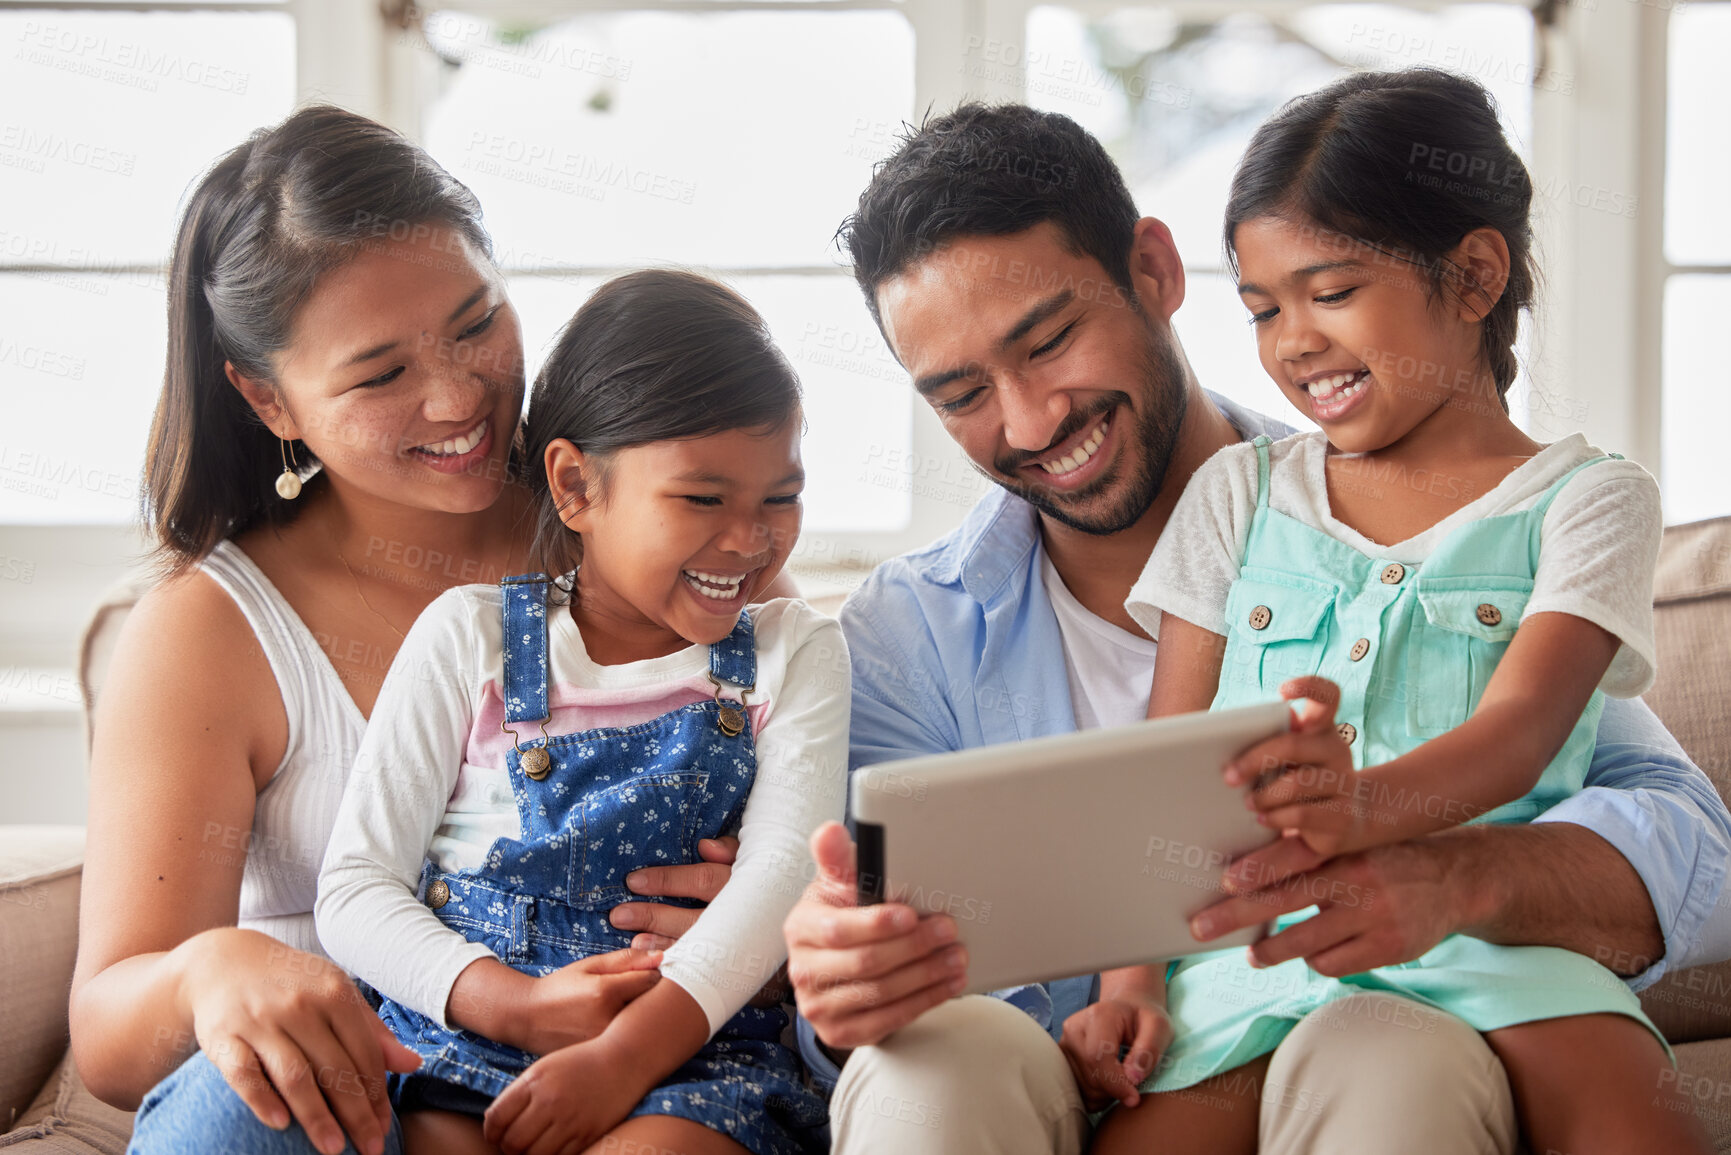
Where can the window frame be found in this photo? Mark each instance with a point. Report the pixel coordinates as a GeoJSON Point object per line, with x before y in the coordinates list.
{"type": "Point", "coordinates": [1600, 343]}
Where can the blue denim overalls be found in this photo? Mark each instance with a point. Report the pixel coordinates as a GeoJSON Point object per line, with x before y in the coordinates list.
{"type": "Point", "coordinates": [594, 806]}
{"type": "Point", "coordinates": [1412, 648]}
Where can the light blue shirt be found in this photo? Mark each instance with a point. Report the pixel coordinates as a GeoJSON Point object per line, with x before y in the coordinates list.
{"type": "Point", "coordinates": [956, 645]}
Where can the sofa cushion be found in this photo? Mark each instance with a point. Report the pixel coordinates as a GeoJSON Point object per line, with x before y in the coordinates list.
{"type": "Point", "coordinates": [1692, 696]}
{"type": "Point", "coordinates": [39, 872]}
{"type": "Point", "coordinates": [66, 1119]}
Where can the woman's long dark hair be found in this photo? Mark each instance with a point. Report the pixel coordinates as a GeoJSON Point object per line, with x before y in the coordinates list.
{"type": "Point", "coordinates": [1408, 162]}
{"type": "Point", "coordinates": [263, 225]}
{"type": "Point", "coordinates": [656, 355]}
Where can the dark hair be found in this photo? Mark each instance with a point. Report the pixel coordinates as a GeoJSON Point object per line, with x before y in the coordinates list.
{"type": "Point", "coordinates": [263, 225]}
{"type": "Point", "coordinates": [655, 355]}
{"type": "Point", "coordinates": [989, 170]}
{"type": "Point", "coordinates": [1408, 162]}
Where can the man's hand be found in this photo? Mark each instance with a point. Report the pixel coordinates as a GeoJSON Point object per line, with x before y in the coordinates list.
{"type": "Point", "coordinates": [1113, 1045]}
{"type": "Point", "coordinates": [1378, 907]}
{"type": "Point", "coordinates": [660, 925]}
{"type": "Point", "coordinates": [861, 973]}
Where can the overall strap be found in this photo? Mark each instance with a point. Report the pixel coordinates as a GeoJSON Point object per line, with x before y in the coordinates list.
{"type": "Point", "coordinates": [1551, 493]}
{"type": "Point", "coordinates": [734, 658]}
{"type": "Point", "coordinates": [1262, 443]}
{"type": "Point", "coordinates": [523, 611]}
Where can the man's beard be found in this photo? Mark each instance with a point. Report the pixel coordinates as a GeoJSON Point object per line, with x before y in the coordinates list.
{"type": "Point", "coordinates": [1154, 428]}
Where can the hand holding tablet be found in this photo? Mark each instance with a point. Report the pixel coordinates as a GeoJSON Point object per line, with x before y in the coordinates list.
{"type": "Point", "coordinates": [1070, 854]}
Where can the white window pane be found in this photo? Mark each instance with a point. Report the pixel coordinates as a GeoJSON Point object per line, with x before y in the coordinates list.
{"type": "Point", "coordinates": [81, 360]}
{"type": "Point", "coordinates": [1176, 102]}
{"type": "Point", "coordinates": [858, 401]}
{"type": "Point", "coordinates": [1697, 161]}
{"type": "Point", "coordinates": [1697, 399]}
{"type": "Point", "coordinates": [110, 116]}
{"type": "Point", "coordinates": [1214, 327]}
{"type": "Point", "coordinates": [729, 140]}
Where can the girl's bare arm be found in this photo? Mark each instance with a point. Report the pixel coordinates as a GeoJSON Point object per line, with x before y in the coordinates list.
{"type": "Point", "coordinates": [1532, 702]}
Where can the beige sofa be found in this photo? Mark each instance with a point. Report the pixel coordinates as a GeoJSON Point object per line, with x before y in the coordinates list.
{"type": "Point", "coordinates": [43, 1108]}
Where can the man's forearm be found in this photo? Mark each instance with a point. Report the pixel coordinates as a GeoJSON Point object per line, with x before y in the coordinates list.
{"type": "Point", "coordinates": [1554, 884]}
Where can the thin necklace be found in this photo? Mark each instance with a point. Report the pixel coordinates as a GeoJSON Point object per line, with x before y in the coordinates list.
{"type": "Point", "coordinates": [363, 597]}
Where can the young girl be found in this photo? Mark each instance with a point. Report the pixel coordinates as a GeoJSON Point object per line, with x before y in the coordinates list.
{"type": "Point", "coordinates": [1380, 233]}
{"type": "Point", "coordinates": [536, 742]}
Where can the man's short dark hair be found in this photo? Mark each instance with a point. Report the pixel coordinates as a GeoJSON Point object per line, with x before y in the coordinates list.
{"type": "Point", "coordinates": [989, 170]}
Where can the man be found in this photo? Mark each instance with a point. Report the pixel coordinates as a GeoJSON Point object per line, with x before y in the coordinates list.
{"type": "Point", "coordinates": [1003, 259]}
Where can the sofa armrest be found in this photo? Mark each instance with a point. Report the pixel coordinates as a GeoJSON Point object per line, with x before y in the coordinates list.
{"type": "Point", "coordinates": [40, 868]}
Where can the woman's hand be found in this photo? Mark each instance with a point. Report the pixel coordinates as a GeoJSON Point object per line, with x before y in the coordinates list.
{"type": "Point", "coordinates": [565, 1101]}
{"type": "Point", "coordinates": [291, 1034]}
{"type": "Point", "coordinates": [1113, 1045]}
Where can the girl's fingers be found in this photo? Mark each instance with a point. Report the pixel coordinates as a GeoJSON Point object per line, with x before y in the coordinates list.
{"type": "Point", "coordinates": [502, 1113]}
{"type": "Point", "coordinates": [242, 1071]}
{"type": "Point", "coordinates": [618, 990]}
{"type": "Point", "coordinates": [525, 1127]}
{"type": "Point", "coordinates": [625, 961]}
{"type": "Point", "coordinates": [724, 849]}
{"type": "Point", "coordinates": [1319, 690]}
{"type": "Point", "coordinates": [1316, 748]}
{"type": "Point", "coordinates": [559, 1137]}
{"type": "Point", "coordinates": [293, 1076]}
{"type": "Point", "coordinates": [1146, 1047]}
{"type": "Point", "coordinates": [1308, 818]}
{"type": "Point", "coordinates": [651, 942]}
{"type": "Point", "coordinates": [1299, 784]}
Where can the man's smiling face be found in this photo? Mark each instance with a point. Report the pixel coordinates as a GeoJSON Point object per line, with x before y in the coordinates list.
{"type": "Point", "coordinates": [1050, 376]}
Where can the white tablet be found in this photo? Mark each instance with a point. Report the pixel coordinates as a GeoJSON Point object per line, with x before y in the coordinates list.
{"type": "Point", "coordinates": [1070, 854]}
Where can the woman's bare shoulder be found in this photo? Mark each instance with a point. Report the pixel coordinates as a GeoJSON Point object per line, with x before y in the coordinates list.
{"type": "Point", "coordinates": [186, 659]}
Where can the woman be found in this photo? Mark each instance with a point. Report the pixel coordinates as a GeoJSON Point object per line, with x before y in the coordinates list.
{"type": "Point", "coordinates": [333, 300]}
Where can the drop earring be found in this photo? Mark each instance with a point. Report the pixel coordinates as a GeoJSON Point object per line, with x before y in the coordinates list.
{"type": "Point", "coordinates": [288, 483]}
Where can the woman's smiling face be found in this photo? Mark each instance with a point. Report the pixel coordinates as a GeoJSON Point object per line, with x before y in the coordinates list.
{"type": "Point", "coordinates": [1354, 337]}
{"type": "Point", "coordinates": [405, 374]}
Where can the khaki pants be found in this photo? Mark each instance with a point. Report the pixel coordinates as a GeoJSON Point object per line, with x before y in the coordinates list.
{"type": "Point", "coordinates": [1371, 1073]}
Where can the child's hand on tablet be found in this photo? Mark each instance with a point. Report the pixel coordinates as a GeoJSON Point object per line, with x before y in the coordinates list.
{"type": "Point", "coordinates": [1113, 1045]}
{"type": "Point", "coordinates": [1303, 782]}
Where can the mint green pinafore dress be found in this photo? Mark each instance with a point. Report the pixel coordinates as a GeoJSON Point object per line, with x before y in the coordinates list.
{"type": "Point", "coordinates": [1412, 648]}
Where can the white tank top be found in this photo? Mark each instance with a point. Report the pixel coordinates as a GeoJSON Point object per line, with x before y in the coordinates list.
{"type": "Point", "coordinates": [295, 811]}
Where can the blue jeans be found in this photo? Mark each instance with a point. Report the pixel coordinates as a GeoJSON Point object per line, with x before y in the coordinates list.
{"type": "Point", "coordinates": [195, 1110]}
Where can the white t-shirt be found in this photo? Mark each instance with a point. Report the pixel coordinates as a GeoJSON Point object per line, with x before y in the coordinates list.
{"type": "Point", "coordinates": [1600, 535]}
{"type": "Point", "coordinates": [1111, 670]}
{"type": "Point", "coordinates": [430, 782]}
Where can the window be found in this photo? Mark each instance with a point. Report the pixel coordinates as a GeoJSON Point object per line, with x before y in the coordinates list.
{"type": "Point", "coordinates": [1175, 95]}
{"type": "Point", "coordinates": [1695, 401]}
{"type": "Point", "coordinates": [109, 118]}
{"type": "Point", "coordinates": [715, 140]}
